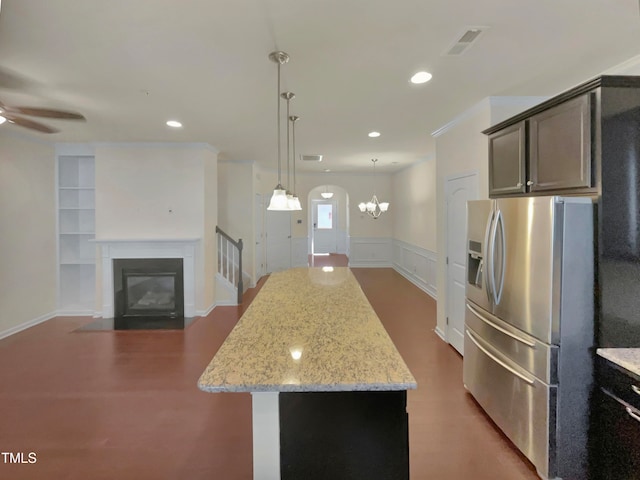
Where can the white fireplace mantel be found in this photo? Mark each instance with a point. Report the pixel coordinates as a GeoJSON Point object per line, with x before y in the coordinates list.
{"type": "Point", "coordinates": [184, 248]}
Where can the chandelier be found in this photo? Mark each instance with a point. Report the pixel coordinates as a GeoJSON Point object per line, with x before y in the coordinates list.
{"type": "Point", "coordinates": [373, 207]}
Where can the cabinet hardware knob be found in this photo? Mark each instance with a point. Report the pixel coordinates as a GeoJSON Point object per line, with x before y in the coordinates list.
{"type": "Point", "coordinates": [635, 389]}
{"type": "Point", "coordinates": [530, 182]}
{"type": "Point", "coordinates": [519, 184]}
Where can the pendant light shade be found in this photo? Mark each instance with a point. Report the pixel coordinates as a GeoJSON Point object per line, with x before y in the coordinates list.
{"type": "Point", "coordinates": [279, 197]}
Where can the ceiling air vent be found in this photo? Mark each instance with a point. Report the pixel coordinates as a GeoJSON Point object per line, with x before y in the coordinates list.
{"type": "Point", "coordinates": [311, 158]}
{"type": "Point", "coordinates": [464, 41]}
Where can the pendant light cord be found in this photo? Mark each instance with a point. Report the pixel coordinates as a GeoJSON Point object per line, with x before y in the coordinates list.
{"type": "Point", "coordinates": [374, 160]}
{"type": "Point", "coordinates": [288, 143]}
{"type": "Point", "coordinates": [293, 127]}
{"type": "Point", "coordinates": [278, 110]}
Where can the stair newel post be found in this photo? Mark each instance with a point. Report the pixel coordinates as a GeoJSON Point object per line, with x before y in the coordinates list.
{"type": "Point", "coordinates": [240, 282]}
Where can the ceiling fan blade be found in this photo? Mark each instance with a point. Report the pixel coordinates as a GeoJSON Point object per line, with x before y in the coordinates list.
{"type": "Point", "coordinates": [43, 112]}
{"type": "Point", "coordinates": [24, 122]}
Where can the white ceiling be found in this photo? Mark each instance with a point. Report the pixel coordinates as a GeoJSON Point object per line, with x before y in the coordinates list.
{"type": "Point", "coordinates": [130, 65]}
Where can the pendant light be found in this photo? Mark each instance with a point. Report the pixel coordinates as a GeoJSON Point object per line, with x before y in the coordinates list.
{"type": "Point", "coordinates": [279, 198]}
{"type": "Point", "coordinates": [295, 202]}
{"type": "Point", "coordinates": [288, 96]}
{"type": "Point", "coordinates": [373, 207]}
{"type": "Point", "coordinates": [326, 194]}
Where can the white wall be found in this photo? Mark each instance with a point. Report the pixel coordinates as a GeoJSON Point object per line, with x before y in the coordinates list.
{"type": "Point", "coordinates": [154, 191]}
{"type": "Point", "coordinates": [27, 231]}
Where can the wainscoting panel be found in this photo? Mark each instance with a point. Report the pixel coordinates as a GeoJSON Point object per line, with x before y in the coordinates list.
{"type": "Point", "coordinates": [370, 252]}
{"type": "Point", "coordinates": [417, 265]}
{"type": "Point", "coordinates": [341, 239]}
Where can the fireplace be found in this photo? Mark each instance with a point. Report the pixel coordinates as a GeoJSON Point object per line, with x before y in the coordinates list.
{"type": "Point", "coordinates": [148, 293]}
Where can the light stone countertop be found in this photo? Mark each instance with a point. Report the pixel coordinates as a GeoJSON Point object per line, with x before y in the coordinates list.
{"type": "Point", "coordinates": [627, 358]}
{"type": "Point", "coordinates": [308, 330]}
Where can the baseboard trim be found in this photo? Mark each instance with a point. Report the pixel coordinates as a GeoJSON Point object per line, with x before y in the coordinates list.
{"type": "Point", "coordinates": [370, 264]}
{"type": "Point", "coordinates": [27, 324]}
{"type": "Point", "coordinates": [441, 334]}
{"type": "Point", "coordinates": [204, 313]}
{"type": "Point", "coordinates": [75, 313]}
{"type": "Point", "coordinates": [416, 282]}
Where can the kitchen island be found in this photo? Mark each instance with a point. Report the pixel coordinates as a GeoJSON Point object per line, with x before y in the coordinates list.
{"type": "Point", "coordinates": [328, 385]}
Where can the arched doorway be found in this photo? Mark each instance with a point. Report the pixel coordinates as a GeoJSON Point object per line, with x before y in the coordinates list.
{"type": "Point", "coordinates": [328, 223]}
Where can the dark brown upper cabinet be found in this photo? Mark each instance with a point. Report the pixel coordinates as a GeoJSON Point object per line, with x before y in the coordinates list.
{"type": "Point", "coordinates": [507, 160]}
{"type": "Point", "coordinates": [560, 147]}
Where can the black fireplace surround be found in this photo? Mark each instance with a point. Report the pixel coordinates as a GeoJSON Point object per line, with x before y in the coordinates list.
{"type": "Point", "coordinates": [148, 293]}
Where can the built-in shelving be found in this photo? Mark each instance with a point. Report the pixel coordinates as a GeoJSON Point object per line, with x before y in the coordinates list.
{"type": "Point", "coordinates": [76, 229]}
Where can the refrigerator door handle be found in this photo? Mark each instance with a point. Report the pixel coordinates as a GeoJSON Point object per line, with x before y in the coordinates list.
{"type": "Point", "coordinates": [492, 249]}
{"type": "Point", "coordinates": [500, 224]}
{"type": "Point", "coordinates": [522, 377]}
{"type": "Point", "coordinates": [488, 271]}
{"type": "Point", "coordinates": [500, 329]}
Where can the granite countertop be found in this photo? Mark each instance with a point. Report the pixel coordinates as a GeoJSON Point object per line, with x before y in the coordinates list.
{"type": "Point", "coordinates": [308, 329]}
{"type": "Point", "coordinates": [627, 358]}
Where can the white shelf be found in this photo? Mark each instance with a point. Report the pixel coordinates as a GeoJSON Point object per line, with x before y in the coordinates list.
{"type": "Point", "coordinates": [76, 227]}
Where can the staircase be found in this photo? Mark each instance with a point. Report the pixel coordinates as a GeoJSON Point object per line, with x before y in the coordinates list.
{"type": "Point", "coordinates": [230, 275]}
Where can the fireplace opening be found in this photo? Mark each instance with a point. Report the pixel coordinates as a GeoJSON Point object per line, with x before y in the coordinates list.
{"type": "Point", "coordinates": [148, 293]}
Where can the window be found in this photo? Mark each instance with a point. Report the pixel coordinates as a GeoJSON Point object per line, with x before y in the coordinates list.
{"type": "Point", "coordinates": [325, 216]}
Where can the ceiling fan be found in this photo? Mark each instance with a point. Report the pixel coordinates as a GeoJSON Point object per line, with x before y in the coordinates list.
{"type": "Point", "coordinates": [15, 115]}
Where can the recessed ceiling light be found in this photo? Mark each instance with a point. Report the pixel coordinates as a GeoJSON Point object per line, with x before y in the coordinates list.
{"type": "Point", "coordinates": [174, 124]}
{"type": "Point", "coordinates": [421, 77]}
{"type": "Point", "coordinates": [327, 169]}
{"type": "Point", "coordinates": [374, 134]}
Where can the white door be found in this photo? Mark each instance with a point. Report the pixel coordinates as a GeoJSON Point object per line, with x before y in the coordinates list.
{"type": "Point", "coordinates": [278, 240]}
{"type": "Point", "coordinates": [324, 216]}
{"type": "Point", "coordinates": [259, 236]}
{"type": "Point", "coordinates": [459, 189]}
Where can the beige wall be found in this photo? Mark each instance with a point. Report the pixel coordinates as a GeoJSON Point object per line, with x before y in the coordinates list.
{"type": "Point", "coordinates": [208, 294]}
{"type": "Point", "coordinates": [149, 191]}
{"type": "Point", "coordinates": [461, 147]}
{"type": "Point", "coordinates": [235, 207]}
{"type": "Point", "coordinates": [359, 188]}
{"type": "Point", "coordinates": [414, 194]}
{"type": "Point", "coordinates": [153, 191]}
{"type": "Point", "coordinates": [28, 230]}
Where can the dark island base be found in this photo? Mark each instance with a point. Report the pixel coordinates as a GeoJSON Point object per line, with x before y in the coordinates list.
{"type": "Point", "coordinates": [354, 435]}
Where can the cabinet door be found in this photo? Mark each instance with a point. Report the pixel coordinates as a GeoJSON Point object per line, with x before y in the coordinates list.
{"type": "Point", "coordinates": [507, 152]}
{"type": "Point", "coordinates": [615, 434]}
{"type": "Point", "coordinates": [560, 147]}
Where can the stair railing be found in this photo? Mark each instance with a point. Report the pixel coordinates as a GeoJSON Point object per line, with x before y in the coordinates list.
{"type": "Point", "coordinates": [230, 260]}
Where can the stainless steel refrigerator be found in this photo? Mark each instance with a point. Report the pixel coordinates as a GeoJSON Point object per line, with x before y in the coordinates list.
{"type": "Point", "coordinates": [529, 324]}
